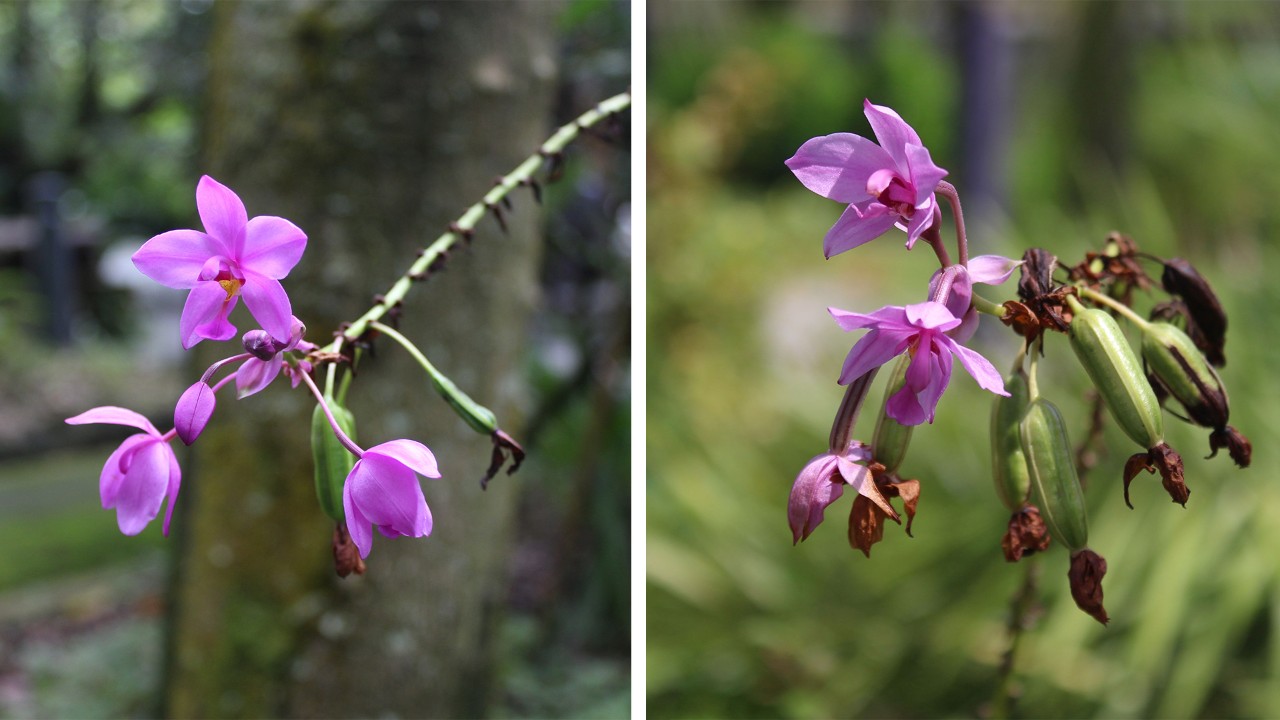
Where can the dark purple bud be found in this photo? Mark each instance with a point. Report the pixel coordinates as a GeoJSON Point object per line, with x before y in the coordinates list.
{"type": "Point", "coordinates": [193, 411]}
{"type": "Point", "coordinates": [1204, 311]}
{"type": "Point", "coordinates": [260, 344]}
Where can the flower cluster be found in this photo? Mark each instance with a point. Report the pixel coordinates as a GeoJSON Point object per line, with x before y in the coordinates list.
{"type": "Point", "coordinates": [237, 256]}
{"type": "Point", "coordinates": [893, 181]}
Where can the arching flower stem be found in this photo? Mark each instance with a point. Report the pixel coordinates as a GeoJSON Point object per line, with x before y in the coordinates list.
{"type": "Point", "coordinates": [847, 414]}
{"type": "Point", "coordinates": [347, 442]}
{"type": "Point", "coordinates": [948, 191]}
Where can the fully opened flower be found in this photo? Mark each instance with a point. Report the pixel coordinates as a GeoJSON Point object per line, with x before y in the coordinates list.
{"type": "Point", "coordinates": [920, 330]}
{"type": "Point", "coordinates": [382, 491]}
{"type": "Point", "coordinates": [235, 256]}
{"type": "Point", "coordinates": [884, 185]}
{"type": "Point", "coordinates": [140, 474]}
{"type": "Point", "coordinates": [822, 482]}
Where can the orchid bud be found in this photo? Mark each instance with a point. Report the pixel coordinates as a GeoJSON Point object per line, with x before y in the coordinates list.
{"type": "Point", "coordinates": [891, 438]}
{"type": "Point", "coordinates": [260, 344]}
{"type": "Point", "coordinates": [193, 411]}
{"type": "Point", "coordinates": [1205, 313]}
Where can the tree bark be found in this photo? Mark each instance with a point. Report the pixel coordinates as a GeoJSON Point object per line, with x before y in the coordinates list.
{"type": "Point", "coordinates": [371, 126]}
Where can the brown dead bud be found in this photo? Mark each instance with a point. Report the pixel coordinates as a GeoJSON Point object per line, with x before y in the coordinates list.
{"type": "Point", "coordinates": [1037, 273]}
{"type": "Point", "coordinates": [1019, 317]}
{"type": "Point", "coordinates": [1168, 462]}
{"type": "Point", "coordinates": [502, 445]}
{"type": "Point", "coordinates": [1237, 445]}
{"type": "Point", "coordinates": [1204, 311]}
{"type": "Point", "coordinates": [346, 556]}
{"type": "Point", "coordinates": [1085, 575]}
{"type": "Point", "coordinates": [1027, 534]}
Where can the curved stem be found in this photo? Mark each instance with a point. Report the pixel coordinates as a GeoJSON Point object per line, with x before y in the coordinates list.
{"type": "Point", "coordinates": [1033, 390]}
{"type": "Point", "coordinates": [463, 226]}
{"type": "Point", "coordinates": [214, 367]}
{"type": "Point", "coordinates": [847, 414]}
{"type": "Point", "coordinates": [933, 236]}
{"type": "Point", "coordinates": [948, 191]}
{"type": "Point", "coordinates": [480, 418]}
{"type": "Point", "coordinates": [987, 306]}
{"type": "Point", "coordinates": [1114, 304]}
{"type": "Point", "coordinates": [351, 447]}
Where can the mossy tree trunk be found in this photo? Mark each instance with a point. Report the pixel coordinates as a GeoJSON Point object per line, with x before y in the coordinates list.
{"type": "Point", "coordinates": [371, 125]}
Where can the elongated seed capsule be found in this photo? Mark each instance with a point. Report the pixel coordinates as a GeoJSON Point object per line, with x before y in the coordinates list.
{"type": "Point", "coordinates": [1185, 373]}
{"type": "Point", "coordinates": [891, 438]}
{"type": "Point", "coordinates": [1114, 369]}
{"type": "Point", "coordinates": [1008, 461]}
{"type": "Point", "coordinates": [1051, 465]}
{"type": "Point", "coordinates": [333, 462]}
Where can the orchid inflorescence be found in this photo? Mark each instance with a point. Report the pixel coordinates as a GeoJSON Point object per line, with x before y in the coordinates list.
{"type": "Point", "coordinates": [893, 182]}
{"type": "Point", "coordinates": [237, 257]}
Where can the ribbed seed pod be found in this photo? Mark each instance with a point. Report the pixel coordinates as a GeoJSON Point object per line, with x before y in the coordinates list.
{"type": "Point", "coordinates": [1185, 373]}
{"type": "Point", "coordinates": [891, 438]}
{"type": "Point", "coordinates": [1051, 465]}
{"type": "Point", "coordinates": [1008, 461]}
{"type": "Point", "coordinates": [1114, 368]}
{"type": "Point", "coordinates": [333, 461]}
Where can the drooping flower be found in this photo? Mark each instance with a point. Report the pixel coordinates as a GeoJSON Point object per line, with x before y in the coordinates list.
{"type": "Point", "coordinates": [953, 286]}
{"type": "Point", "coordinates": [822, 482]}
{"type": "Point", "coordinates": [884, 185]}
{"type": "Point", "coordinates": [382, 491]}
{"type": "Point", "coordinates": [140, 474]}
{"type": "Point", "coordinates": [920, 330]}
{"type": "Point", "coordinates": [235, 256]}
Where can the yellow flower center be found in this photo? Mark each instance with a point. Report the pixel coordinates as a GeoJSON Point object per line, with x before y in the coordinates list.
{"type": "Point", "coordinates": [232, 286]}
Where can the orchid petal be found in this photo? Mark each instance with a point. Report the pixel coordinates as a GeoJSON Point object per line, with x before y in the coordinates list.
{"type": "Point", "coordinates": [193, 411]}
{"type": "Point", "coordinates": [204, 317]}
{"type": "Point", "coordinates": [837, 166]}
{"type": "Point", "coordinates": [266, 299]}
{"type": "Point", "coordinates": [959, 295]}
{"type": "Point", "coordinates": [174, 258]}
{"type": "Point", "coordinates": [891, 131]}
{"type": "Point", "coordinates": [255, 375]}
{"type": "Point", "coordinates": [991, 269]}
{"type": "Point", "coordinates": [112, 415]}
{"type": "Point", "coordinates": [388, 494]}
{"type": "Point", "coordinates": [359, 527]}
{"type": "Point", "coordinates": [272, 246]}
{"type": "Point", "coordinates": [410, 453]}
{"type": "Point", "coordinates": [175, 483]}
{"type": "Point", "coordinates": [967, 327]}
{"type": "Point", "coordinates": [930, 315]}
{"type": "Point", "coordinates": [925, 176]}
{"type": "Point", "coordinates": [980, 368]}
{"type": "Point", "coordinates": [873, 350]}
{"type": "Point", "coordinates": [888, 315]}
{"type": "Point", "coordinates": [143, 489]}
{"type": "Point", "coordinates": [859, 477]}
{"type": "Point", "coordinates": [116, 467]}
{"type": "Point", "coordinates": [857, 226]}
{"type": "Point", "coordinates": [813, 491]}
{"type": "Point", "coordinates": [925, 216]}
{"type": "Point", "coordinates": [222, 213]}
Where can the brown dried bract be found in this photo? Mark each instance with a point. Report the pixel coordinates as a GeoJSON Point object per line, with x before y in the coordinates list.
{"type": "Point", "coordinates": [1117, 267]}
{"type": "Point", "coordinates": [1043, 305]}
{"type": "Point", "coordinates": [1027, 534]}
{"type": "Point", "coordinates": [1235, 442]}
{"type": "Point", "coordinates": [502, 445]}
{"type": "Point", "coordinates": [1168, 462]}
{"type": "Point", "coordinates": [346, 556]}
{"type": "Point", "coordinates": [866, 519]}
{"type": "Point", "coordinates": [1087, 569]}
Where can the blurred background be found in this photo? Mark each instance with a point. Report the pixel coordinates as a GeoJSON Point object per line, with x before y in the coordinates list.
{"type": "Point", "coordinates": [371, 125]}
{"type": "Point", "coordinates": [1059, 122]}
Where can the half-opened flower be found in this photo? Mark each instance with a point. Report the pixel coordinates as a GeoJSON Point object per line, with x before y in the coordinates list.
{"type": "Point", "coordinates": [140, 474]}
{"type": "Point", "coordinates": [382, 491]}
{"type": "Point", "coordinates": [822, 482]}
{"type": "Point", "coordinates": [920, 330]}
{"type": "Point", "coordinates": [884, 185]}
{"type": "Point", "coordinates": [235, 256]}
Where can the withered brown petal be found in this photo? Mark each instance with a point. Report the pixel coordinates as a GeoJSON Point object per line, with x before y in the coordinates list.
{"type": "Point", "coordinates": [1169, 463]}
{"type": "Point", "coordinates": [866, 525]}
{"type": "Point", "coordinates": [1037, 273]}
{"type": "Point", "coordinates": [1235, 442]}
{"type": "Point", "coordinates": [1134, 465]}
{"type": "Point", "coordinates": [1026, 535]}
{"type": "Point", "coordinates": [909, 491]}
{"type": "Point", "coordinates": [346, 556]}
{"type": "Point", "coordinates": [1087, 569]}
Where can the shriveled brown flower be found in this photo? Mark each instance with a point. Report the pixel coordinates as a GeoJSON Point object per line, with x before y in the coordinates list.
{"type": "Point", "coordinates": [1087, 569]}
{"type": "Point", "coordinates": [1027, 534]}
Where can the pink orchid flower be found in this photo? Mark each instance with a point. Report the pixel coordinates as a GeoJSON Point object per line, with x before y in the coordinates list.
{"type": "Point", "coordinates": [382, 491]}
{"type": "Point", "coordinates": [140, 474]}
{"type": "Point", "coordinates": [235, 256]}
{"type": "Point", "coordinates": [822, 482]}
{"type": "Point", "coordinates": [920, 330]}
{"type": "Point", "coordinates": [884, 185]}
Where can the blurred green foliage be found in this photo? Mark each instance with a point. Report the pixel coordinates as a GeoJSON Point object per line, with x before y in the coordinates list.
{"type": "Point", "coordinates": [742, 360]}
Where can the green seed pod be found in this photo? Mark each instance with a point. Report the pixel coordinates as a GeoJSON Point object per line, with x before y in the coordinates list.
{"type": "Point", "coordinates": [1186, 374]}
{"type": "Point", "coordinates": [1114, 368]}
{"type": "Point", "coordinates": [333, 461]}
{"type": "Point", "coordinates": [891, 438]}
{"type": "Point", "coordinates": [1052, 468]}
{"type": "Point", "coordinates": [1008, 461]}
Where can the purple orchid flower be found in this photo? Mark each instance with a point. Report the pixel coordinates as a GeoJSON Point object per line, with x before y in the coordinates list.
{"type": "Point", "coordinates": [258, 371]}
{"type": "Point", "coordinates": [953, 286]}
{"type": "Point", "coordinates": [235, 256]}
{"type": "Point", "coordinates": [884, 185]}
{"type": "Point", "coordinates": [140, 474]}
{"type": "Point", "coordinates": [382, 491]}
{"type": "Point", "coordinates": [921, 330]}
{"type": "Point", "coordinates": [822, 482]}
